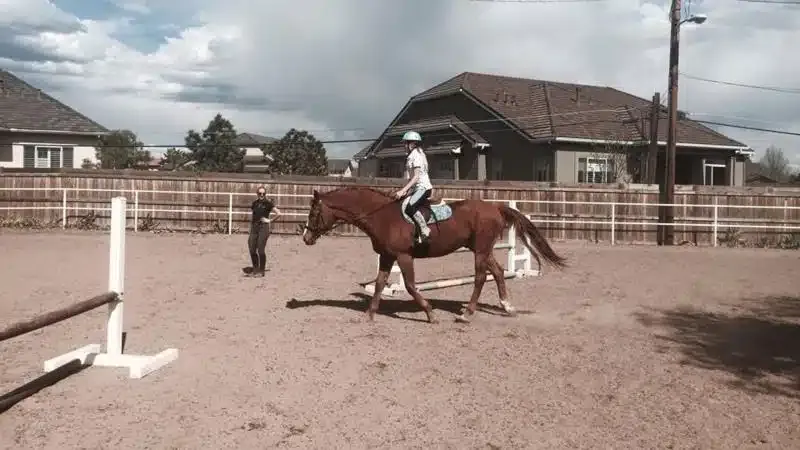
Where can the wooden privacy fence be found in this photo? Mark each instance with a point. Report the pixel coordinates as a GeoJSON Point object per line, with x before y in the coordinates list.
{"type": "Point", "coordinates": [138, 365]}
{"type": "Point", "coordinates": [574, 212]}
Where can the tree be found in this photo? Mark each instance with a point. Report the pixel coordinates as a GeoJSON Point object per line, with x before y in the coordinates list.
{"type": "Point", "coordinates": [215, 150]}
{"type": "Point", "coordinates": [297, 153]}
{"type": "Point", "coordinates": [176, 158]}
{"type": "Point", "coordinates": [120, 149]}
{"type": "Point", "coordinates": [775, 164]}
{"type": "Point", "coordinates": [620, 164]}
{"type": "Point", "coordinates": [87, 163]}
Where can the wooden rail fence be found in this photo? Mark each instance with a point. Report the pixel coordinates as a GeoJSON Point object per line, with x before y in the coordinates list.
{"type": "Point", "coordinates": [566, 212]}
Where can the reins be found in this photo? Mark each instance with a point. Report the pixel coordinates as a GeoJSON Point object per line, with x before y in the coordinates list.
{"type": "Point", "coordinates": [341, 221]}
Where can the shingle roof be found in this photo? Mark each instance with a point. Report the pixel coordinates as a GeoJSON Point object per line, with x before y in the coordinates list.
{"type": "Point", "coordinates": [436, 124]}
{"type": "Point", "coordinates": [362, 153]}
{"type": "Point", "coordinates": [546, 109]}
{"type": "Point", "coordinates": [25, 107]}
{"type": "Point", "coordinates": [253, 139]}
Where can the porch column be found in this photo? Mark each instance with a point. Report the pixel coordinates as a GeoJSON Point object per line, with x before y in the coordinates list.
{"type": "Point", "coordinates": [482, 150]}
{"type": "Point", "coordinates": [730, 172]}
{"type": "Point", "coordinates": [456, 165]}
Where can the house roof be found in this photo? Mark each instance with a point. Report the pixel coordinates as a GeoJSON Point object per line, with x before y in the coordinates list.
{"type": "Point", "coordinates": [437, 124]}
{"type": "Point", "coordinates": [361, 154]}
{"type": "Point", "coordinates": [24, 107]}
{"type": "Point", "coordinates": [548, 109]}
{"type": "Point", "coordinates": [245, 139]}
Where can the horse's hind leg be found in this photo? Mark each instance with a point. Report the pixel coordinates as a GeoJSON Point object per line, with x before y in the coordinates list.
{"type": "Point", "coordinates": [481, 261]}
{"type": "Point", "coordinates": [406, 264]}
{"type": "Point", "coordinates": [499, 278]}
{"type": "Point", "coordinates": [385, 263]}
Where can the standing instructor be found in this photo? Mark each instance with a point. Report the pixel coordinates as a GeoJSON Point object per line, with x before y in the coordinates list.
{"type": "Point", "coordinates": [263, 209]}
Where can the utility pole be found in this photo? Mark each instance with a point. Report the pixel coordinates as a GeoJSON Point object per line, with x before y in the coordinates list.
{"type": "Point", "coordinates": [652, 163]}
{"type": "Point", "coordinates": [669, 179]}
{"type": "Point", "coordinates": [652, 151]}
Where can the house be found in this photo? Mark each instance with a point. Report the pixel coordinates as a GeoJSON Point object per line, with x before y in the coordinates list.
{"type": "Point", "coordinates": [483, 126]}
{"type": "Point", "coordinates": [254, 158]}
{"type": "Point", "coordinates": [361, 165]}
{"type": "Point", "coordinates": [340, 167]}
{"type": "Point", "coordinates": [38, 131]}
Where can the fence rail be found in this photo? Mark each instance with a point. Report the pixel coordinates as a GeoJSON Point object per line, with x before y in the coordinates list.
{"type": "Point", "coordinates": [605, 220]}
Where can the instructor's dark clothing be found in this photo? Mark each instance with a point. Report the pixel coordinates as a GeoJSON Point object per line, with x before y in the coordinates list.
{"type": "Point", "coordinates": [259, 232]}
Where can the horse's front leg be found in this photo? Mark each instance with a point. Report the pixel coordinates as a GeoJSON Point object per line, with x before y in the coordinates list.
{"type": "Point", "coordinates": [385, 263]}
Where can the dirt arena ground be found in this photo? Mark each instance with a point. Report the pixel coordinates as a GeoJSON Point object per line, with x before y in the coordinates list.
{"type": "Point", "coordinates": [630, 348]}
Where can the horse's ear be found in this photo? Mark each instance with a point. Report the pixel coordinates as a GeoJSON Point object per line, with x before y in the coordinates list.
{"type": "Point", "coordinates": [316, 194]}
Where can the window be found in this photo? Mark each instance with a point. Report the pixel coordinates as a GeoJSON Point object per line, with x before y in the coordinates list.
{"type": "Point", "coordinates": [47, 157]}
{"type": "Point", "coordinates": [444, 169]}
{"type": "Point", "coordinates": [595, 170]}
{"type": "Point", "coordinates": [392, 169]}
{"type": "Point", "coordinates": [497, 168]}
{"type": "Point", "coordinates": [714, 174]}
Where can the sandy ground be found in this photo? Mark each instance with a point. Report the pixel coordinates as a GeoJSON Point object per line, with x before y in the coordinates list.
{"type": "Point", "coordinates": [630, 348]}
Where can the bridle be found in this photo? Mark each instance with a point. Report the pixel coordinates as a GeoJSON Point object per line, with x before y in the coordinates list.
{"type": "Point", "coordinates": [318, 232]}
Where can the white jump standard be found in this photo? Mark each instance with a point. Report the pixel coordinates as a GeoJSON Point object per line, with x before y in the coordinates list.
{"type": "Point", "coordinates": [138, 365]}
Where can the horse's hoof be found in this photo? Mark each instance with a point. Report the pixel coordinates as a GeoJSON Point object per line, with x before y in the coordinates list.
{"type": "Point", "coordinates": [462, 319]}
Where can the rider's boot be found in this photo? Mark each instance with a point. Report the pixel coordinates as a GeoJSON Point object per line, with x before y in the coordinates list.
{"type": "Point", "coordinates": [424, 231]}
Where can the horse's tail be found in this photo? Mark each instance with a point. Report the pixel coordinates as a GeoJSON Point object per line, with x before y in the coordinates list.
{"type": "Point", "coordinates": [525, 227]}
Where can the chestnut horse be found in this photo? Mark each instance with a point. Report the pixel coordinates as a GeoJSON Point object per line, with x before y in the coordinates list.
{"type": "Point", "coordinates": [474, 224]}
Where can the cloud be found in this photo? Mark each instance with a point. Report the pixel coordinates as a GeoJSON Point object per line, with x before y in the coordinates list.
{"type": "Point", "coordinates": [350, 65]}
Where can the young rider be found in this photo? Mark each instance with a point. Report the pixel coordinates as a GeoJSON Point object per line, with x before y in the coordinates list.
{"type": "Point", "coordinates": [419, 184]}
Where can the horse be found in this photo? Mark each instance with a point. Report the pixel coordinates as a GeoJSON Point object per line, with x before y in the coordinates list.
{"type": "Point", "coordinates": [474, 224]}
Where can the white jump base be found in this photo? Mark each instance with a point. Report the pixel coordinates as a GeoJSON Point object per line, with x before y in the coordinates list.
{"type": "Point", "coordinates": [513, 258]}
{"type": "Point", "coordinates": [138, 365]}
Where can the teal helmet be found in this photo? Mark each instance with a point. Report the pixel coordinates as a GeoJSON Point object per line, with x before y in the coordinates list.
{"type": "Point", "coordinates": [412, 136]}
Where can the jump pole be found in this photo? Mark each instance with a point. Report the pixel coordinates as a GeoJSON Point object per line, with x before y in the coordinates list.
{"type": "Point", "coordinates": [137, 365]}
{"type": "Point", "coordinates": [511, 271]}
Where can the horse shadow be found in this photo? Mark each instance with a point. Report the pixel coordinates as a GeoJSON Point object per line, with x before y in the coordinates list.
{"type": "Point", "coordinates": [390, 307]}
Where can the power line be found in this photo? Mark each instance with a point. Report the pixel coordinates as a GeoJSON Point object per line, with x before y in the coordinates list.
{"type": "Point", "coordinates": [744, 127]}
{"type": "Point", "coordinates": [539, 1]}
{"type": "Point", "coordinates": [449, 134]}
{"type": "Point", "coordinates": [777, 2]}
{"type": "Point", "coordinates": [465, 122]}
{"type": "Point", "coordinates": [751, 86]}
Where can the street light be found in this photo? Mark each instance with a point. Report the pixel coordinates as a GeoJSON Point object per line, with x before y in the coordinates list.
{"type": "Point", "coordinates": [697, 18]}
{"type": "Point", "coordinates": [668, 191]}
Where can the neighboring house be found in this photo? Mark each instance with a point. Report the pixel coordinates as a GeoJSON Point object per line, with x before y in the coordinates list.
{"type": "Point", "coordinates": [254, 159]}
{"type": "Point", "coordinates": [363, 166]}
{"type": "Point", "coordinates": [38, 131]}
{"type": "Point", "coordinates": [340, 167]}
{"type": "Point", "coordinates": [482, 126]}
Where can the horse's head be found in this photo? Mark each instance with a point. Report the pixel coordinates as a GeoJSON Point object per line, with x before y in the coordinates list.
{"type": "Point", "coordinates": [321, 219]}
{"type": "Point", "coordinates": [351, 204]}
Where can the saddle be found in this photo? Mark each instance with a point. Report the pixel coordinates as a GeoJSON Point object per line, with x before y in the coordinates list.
{"type": "Point", "coordinates": [433, 209]}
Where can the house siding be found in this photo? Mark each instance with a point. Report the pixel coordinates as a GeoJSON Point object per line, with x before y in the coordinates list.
{"type": "Point", "coordinates": [12, 148]}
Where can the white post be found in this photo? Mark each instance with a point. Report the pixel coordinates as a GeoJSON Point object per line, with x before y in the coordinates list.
{"type": "Point", "coordinates": [786, 215]}
{"type": "Point", "coordinates": [230, 213]}
{"type": "Point", "coordinates": [116, 275]}
{"type": "Point", "coordinates": [613, 222]}
{"type": "Point", "coordinates": [64, 209]}
{"type": "Point", "coordinates": [511, 262]}
{"type": "Point", "coordinates": [135, 211]}
{"type": "Point", "coordinates": [716, 217]}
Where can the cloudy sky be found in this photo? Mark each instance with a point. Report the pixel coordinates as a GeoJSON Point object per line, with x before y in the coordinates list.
{"type": "Point", "coordinates": [342, 68]}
